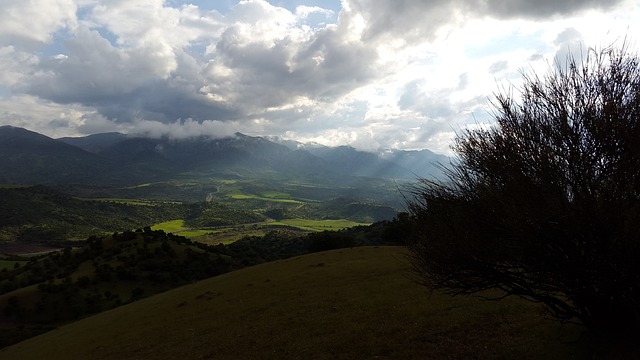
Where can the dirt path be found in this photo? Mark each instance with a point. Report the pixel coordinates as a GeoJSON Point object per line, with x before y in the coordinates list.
{"type": "Point", "coordinates": [16, 248]}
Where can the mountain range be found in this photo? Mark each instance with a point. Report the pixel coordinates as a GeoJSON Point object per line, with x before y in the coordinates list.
{"type": "Point", "coordinates": [28, 157]}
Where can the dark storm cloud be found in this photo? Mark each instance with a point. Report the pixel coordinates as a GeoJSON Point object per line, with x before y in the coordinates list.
{"type": "Point", "coordinates": [540, 9]}
{"type": "Point", "coordinates": [408, 19]}
{"type": "Point", "coordinates": [163, 101]}
{"type": "Point", "coordinates": [412, 19]}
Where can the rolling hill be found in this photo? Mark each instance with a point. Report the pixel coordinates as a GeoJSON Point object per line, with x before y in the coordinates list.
{"type": "Point", "coordinates": [354, 303]}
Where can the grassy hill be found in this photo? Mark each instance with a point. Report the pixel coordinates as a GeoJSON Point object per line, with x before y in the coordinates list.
{"type": "Point", "coordinates": [64, 286]}
{"type": "Point", "coordinates": [356, 303]}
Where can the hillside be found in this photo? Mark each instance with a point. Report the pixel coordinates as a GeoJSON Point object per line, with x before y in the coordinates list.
{"type": "Point", "coordinates": [38, 214]}
{"type": "Point", "coordinates": [342, 304]}
{"type": "Point", "coordinates": [64, 286]}
{"type": "Point", "coordinates": [41, 292]}
{"type": "Point", "coordinates": [34, 214]}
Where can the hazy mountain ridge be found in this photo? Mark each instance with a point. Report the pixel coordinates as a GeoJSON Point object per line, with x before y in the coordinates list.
{"type": "Point", "coordinates": [29, 157]}
{"type": "Point", "coordinates": [96, 142]}
{"type": "Point", "coordinates": [390, 163]}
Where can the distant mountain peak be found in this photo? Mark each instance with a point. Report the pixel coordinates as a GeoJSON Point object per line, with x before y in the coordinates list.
{"type": "Point", "coordinates": [117, 157]}
{"type": "Point", "coordinates": [13, 134]}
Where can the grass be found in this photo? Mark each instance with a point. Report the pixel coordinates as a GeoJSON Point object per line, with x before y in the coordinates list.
{"type": "Point", "coordinates": [9, 264]}
{"type": "Point", "coordinates": [316, 225]}
{"type": "Point", "coordinates": [228, 235]}
{"type": "Point", "coordinates": [171, 226]}
{"type": "Point", "coordinates": [135, 202]}
{"type": "Point", "coordinates": [193, 233]}
{"type": "Point", "coordinates": [235, 192]}
{"type": "Point", "coordinates": [345, 304]}
{"type": "Point", "coordinates": [13, 186]}
{"type": "Point", "coordinates": [264, 198]}
{"type": "Point", "coordinates": [177, 227]}
{"type": "Point", "coordinates": [141, 185]}
{"type": "Point", "coordinates": [224, 235]}
{"type": "Point", "coordinates": [276, 195]}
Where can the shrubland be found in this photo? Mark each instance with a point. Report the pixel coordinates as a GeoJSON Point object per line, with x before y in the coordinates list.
{"type": "Point", "coordinates": [545, 204]}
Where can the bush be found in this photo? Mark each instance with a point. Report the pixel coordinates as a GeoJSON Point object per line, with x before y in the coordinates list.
{"type": "Point", "coordinates": [329, 240]}
{"type": "Point", "coordinates": [545, 205]}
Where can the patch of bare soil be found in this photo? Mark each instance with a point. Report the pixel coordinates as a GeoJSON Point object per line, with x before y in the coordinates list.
{"type": "Point", "coordinates": [17, 248]}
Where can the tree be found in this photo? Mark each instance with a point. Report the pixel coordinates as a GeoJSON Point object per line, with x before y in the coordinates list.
{"type": "Point", "coordinates": [545, 204]}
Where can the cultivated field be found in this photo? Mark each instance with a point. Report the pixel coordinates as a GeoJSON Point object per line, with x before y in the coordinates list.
{"type": "Point", "coordinates": [316, 225]}
{"type": "Point", "coordinates": [227, 234]}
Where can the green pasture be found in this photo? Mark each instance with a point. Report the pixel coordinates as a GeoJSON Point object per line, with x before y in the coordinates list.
{"type": "Point", "coordinates": [264, 198]}
{"type": "Point", "coordinates": [316, 225]}
{"type": "Point", "coordinates": [276, 195]}
{"type": "Point", "coordinates": [171, 226]}
{"type": "Point", "coordinates": [234, 190]}
{"type": "Point", "coordinates": [193, 233]}
{"type": "Point", "coordinates": [134, 202]}
{"type": "Point", "coordinates": [141, 186]}
{"type": "Point", "coordinates": [177, 227]}
{"type": "Point", "coordinates": [10, 264]}
{"type": "Point", "coordinates": [13, 186]}
{"type": "Point", "coordinates": [229, 235]}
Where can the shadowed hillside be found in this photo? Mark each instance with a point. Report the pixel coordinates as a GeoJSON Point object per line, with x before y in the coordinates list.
{"type": "Point", "coordinates": [343, 304]}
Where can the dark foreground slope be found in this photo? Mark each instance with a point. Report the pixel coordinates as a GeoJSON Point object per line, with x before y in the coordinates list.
{"type": "Point", "coordinates": [344, 304]}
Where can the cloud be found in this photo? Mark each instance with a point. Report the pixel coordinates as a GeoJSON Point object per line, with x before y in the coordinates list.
{"type": "Point", "coordinates": [28, 23]}
{"type": "Point", "coordinates": [541, 9]}
{"type": "Point", "coordinates": [15, 65]}
{"type": "Point", "coordinates": [124, 83]}
{"type": "Point", "coordinates": [304, 12]}
{"type": "Point", "coordinates": [94, 71]}
{"type": "Point", "coordinates": [369, 73]}
{"type": "Point", "coordinates": [500, 66]}
{"type": "Point", "coordinates": [184, 129]}
{"type": "Point", "coordinates": [52, 119]}
{"type": "Point", "coordinates": [255, 59]}
{"type": "Point", "coordinates": [404, 19]}
{"type": "Point", "coordinates": [263, 60]}
{"type": "Point", "coordinates": [417, 19]}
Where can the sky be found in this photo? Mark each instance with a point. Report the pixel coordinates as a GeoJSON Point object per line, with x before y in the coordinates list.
{"type": "Point", "coordinates": [373, 74]}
